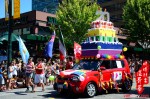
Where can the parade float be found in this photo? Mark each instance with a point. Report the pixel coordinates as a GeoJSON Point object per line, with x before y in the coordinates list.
{"type": "Point", "coordinates": [101, 39]}
{"type": "Point", "coordinates": [102, 67]}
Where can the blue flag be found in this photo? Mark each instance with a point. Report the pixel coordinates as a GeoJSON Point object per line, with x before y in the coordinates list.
{"type": "Point", "coordinates": [49, 46]}
{"type": "Point", "coordinates": [23, 51]}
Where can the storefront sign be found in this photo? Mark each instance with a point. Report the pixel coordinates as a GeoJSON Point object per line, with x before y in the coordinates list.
{"type": "Point", "coordinates": [51, 20]}
{"type": "Point", "coordinates": [138, 49]}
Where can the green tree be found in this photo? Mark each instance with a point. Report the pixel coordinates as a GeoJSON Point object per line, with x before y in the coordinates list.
{"type": "Point", "coordinates": [136, 15]}
{"type": "Point", "coordinates": [75, 17]}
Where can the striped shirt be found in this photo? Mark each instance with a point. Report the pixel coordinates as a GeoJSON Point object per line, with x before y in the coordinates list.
{"type": "Point", "coordinates": [29, 68]}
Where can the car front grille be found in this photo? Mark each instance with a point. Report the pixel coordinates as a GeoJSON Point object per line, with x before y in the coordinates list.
{"type": "Point", "coordinates": [63, 78]}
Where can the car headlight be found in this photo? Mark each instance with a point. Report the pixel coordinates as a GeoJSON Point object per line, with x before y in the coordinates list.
{"type": "Point", "coordinates": [78, 78]}
{"type": "Point", "coordinates": [81, 78]}
{"type": "Point", "coordinates": [75, 78]}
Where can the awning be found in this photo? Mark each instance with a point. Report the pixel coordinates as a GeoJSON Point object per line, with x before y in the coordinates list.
{"type": "Point", "coordinates": [4, 37]}
{"type": "Point", "coordinates": [36, 37]}
{"type": "Point", "coordinates": [137, 49]}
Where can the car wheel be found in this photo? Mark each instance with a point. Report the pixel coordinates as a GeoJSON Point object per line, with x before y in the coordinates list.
{"type": "Point", "coordinates": [127, 85]}
{"type": "Point", "coordinates": [90, 90]}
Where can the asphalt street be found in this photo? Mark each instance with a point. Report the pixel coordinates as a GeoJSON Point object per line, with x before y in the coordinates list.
{"type": "Point", "coordinates": [49, 93]}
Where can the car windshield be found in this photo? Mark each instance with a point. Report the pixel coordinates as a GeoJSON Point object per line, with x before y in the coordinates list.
{"type": "Point", "coordinates": [87, 65]}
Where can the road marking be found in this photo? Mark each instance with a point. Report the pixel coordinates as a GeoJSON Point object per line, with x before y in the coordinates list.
{"type": "Point", "coordinates": [6, 94]}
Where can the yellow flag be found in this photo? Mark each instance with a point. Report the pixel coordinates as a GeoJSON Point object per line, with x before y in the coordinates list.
{"type": "Point", "coordinates": [16, 9]}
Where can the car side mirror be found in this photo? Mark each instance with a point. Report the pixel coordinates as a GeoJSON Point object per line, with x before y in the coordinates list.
{"type": "Point", "coordinates": [102, 68]}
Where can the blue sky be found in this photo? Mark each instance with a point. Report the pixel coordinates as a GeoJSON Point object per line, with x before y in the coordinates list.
{"type": "Point", "coordinates": [25, 6]}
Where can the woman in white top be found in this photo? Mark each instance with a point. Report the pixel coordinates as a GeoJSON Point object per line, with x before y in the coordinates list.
{"type": "Point", "coordinates": [15, 68]}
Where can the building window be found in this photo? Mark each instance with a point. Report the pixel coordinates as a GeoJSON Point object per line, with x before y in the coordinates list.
{"type": "Point", "coordinates": [28, 29]}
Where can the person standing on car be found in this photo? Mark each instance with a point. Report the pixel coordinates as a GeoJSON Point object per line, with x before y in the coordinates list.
{"type": "Point", "coordinates": [29, 74]}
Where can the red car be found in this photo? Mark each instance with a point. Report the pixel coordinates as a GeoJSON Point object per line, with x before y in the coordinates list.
{"type": "Point", "coordinates": [93, 76]}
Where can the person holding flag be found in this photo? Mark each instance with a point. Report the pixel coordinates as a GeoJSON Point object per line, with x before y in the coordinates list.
{"type": "Point", "coordinates": [49, 46]}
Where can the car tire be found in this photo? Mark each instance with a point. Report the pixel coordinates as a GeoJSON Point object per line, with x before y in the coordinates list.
{"type": "Point", "coordinates": [127, 85]}
{"type": "Point", "coordinates": [90, 90]}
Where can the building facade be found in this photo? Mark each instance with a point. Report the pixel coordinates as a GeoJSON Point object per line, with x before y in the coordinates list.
{"type": "Point", "coordinates": [49, 6]}
{"type": "Point", "coordinates": [33, 27]}
{"type": "Point", "coordinates": [115, 8]}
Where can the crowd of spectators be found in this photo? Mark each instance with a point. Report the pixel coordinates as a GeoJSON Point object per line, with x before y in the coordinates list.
{"type": "Point", "coordinates": [34, 73]}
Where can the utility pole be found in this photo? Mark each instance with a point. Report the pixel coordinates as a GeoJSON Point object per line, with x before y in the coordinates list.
{"type": "Point", "coordinates": [9, 48]}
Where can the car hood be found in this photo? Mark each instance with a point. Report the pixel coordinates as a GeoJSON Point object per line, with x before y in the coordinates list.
{"type": "Point", "coordinates": [74, 72]}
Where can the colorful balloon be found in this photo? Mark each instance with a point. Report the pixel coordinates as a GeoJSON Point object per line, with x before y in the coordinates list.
{"type": "Point", "coordinates": [121, 57]}
{"type": "Point", "coordinates": [98, 47]}
{"type": "Point", "coordinates": [125, 49]}
{"type": "Point", "coordinates": [118, 55]}
{"type": "Point", "coordinates": [98, 56]}
{"type": "Point", "coordinates": [109, 57]}
{"type": "Point", "coordinates": [106, 56]}
{"type": "Point", "coordinates": [51, 78]}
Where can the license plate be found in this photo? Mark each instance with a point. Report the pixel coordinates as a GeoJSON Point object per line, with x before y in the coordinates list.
{"type": "Point", "coordinates": [60, 86]}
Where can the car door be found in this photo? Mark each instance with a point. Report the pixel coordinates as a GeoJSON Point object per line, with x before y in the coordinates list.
{"type": "Point", "coordinates": [117, 68]}
{"type": "Point", "coordinates": [106, 73]}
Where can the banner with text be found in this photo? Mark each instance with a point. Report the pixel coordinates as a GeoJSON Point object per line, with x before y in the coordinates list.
{"type": "Point", "coordinates": [6, 9]}
{"type": "Point", "coordinates": [142, 77]}
{"type": "Point", "coordinates": [16, 9]}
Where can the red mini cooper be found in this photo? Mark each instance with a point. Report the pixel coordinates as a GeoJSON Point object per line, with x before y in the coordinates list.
{"type": "Point", "coordinates": [94, 76]}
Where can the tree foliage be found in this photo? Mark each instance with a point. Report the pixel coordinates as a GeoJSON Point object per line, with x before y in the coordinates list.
{"type": "Point", "coordinates": [75, 17]}
{"type": "Point", "coordinates": [136, 15]}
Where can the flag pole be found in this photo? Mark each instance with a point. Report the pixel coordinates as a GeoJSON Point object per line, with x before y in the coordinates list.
{"type": "Point", "coordinates": [9, 49]}
{"type": "Point", "coordinates": [63, 40]}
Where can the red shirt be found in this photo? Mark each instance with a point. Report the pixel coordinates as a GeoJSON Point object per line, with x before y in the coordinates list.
{"type": "Point", "coordinates": [39, 66]}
